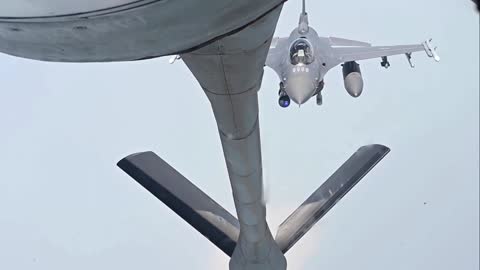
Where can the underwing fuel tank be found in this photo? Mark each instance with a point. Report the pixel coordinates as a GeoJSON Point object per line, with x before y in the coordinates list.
{"type": "Point", "coordinates": [352, 77]}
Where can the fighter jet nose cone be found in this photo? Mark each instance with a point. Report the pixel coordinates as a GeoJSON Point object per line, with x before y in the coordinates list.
{"type": "Point", "coordinates": [300, 91]}
{"type": "Point", "coordinates": [300, 99]}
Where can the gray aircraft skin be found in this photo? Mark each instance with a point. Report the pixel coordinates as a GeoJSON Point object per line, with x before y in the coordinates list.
{"type": "Point", "coordinates": [302, 60]}
{"type": "Point", "coordinates": [226, 48]}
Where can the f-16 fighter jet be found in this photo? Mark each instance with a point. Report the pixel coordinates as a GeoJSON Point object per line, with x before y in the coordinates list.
{"type": "Point", "coordinates": [303, 59]}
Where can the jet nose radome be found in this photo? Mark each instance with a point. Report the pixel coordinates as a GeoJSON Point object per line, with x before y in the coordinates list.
{"type": "Point", "coordinates": [300, 90]}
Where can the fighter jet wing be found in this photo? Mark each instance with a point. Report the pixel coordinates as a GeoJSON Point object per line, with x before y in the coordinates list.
{"type": "Point", "coordinates": [336, 41]}
{"type": "Point", "coordinates": [277, 54]}
{"type": "Point", "coordinates": [347, 54]}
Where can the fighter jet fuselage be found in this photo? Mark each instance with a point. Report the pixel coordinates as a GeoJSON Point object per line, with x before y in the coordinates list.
{"type": "Point", "coordinates": [302, 71]}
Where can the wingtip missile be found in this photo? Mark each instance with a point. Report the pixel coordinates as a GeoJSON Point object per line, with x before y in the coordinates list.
{"type": "Point", "coordinates": [430, 50]}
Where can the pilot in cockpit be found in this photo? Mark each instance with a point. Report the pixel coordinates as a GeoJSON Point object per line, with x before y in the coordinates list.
{"type": "Point", "coordinates": [301, 52]}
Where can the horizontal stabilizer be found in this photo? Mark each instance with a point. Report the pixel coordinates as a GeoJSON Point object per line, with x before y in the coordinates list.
{"type": "Point", "coordinates": [342, 42]}
{"type": "Point", "coordinates": [184, 198]}
{"type": "Point", "coordinates": [325, 197]}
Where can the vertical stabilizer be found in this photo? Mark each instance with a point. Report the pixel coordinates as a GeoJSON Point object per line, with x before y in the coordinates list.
{"type": "Point", "coordinates": [303, 23]}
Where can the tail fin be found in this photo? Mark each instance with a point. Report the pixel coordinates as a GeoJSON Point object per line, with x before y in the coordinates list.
{"type": "Point", "coordinates": [325, 197]}
{"type": "Point", "coordinates": [303, 22]}
{"type": "Point", "coordinates": [184, 198]}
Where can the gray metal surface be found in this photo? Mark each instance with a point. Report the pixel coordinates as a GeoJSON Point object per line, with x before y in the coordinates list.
{"type": "Point", "coordinates": [184, 198]}
{"type": "Point", "coordinates": [38, 8]}
{"type": "Point", "coordinates": [301, 81]}
{"type": "Point", "coordinates": [230, 72]}
{"type": "Point", "coordinates": [329, 193]}
{"type": "Point", "coordinates": [139, 30]}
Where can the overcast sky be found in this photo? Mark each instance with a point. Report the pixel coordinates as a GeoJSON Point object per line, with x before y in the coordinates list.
{"type": "Point", "coordinates": [65, 205]}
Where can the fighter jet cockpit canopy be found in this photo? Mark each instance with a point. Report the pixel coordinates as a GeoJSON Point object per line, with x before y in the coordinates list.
{"type": "Point", "coordinates": [301, 52]}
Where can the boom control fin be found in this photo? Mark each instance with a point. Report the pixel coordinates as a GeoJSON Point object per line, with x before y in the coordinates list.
{"type": "Point", "coordinates": [217, 224]}
{"type": "Point", "coordinates": [184, 198]}
{"type": "Point", "coordinates": [325, 197]}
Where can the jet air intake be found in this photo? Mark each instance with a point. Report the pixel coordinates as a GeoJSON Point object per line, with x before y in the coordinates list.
{"type": "Point", "coordinates": [352, 77]}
